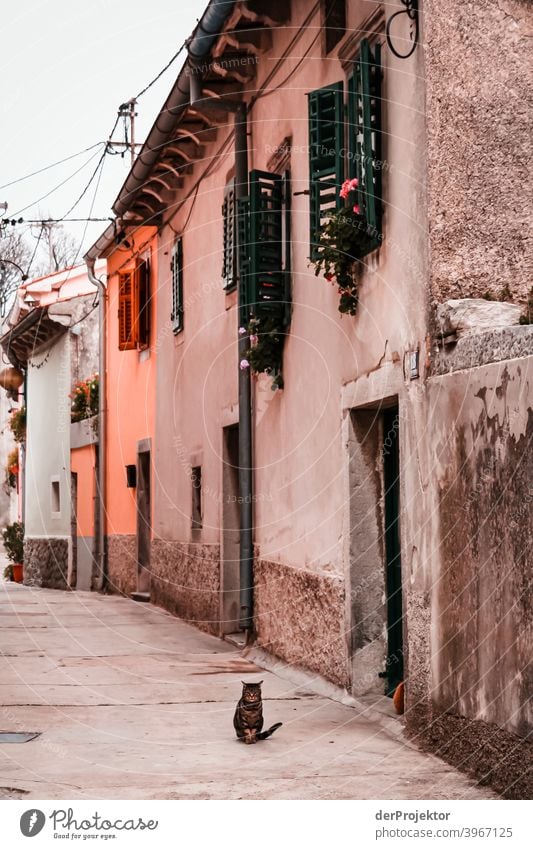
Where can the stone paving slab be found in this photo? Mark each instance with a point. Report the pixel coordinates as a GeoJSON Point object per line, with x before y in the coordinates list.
{"type": "Point", "coordinates": [133, 703]}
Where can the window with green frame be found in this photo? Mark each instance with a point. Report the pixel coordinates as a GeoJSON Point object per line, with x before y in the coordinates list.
{"type": "Point", "coordinates": [331, 160]}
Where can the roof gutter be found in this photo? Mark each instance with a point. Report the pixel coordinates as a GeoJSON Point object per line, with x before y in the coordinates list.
{"type": "Point", "coordinates": [207, 31]}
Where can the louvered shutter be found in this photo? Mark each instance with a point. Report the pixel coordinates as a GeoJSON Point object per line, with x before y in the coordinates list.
{"type": "Point", "coordinates": [127, 327]}
{"type": "Point", "coordinates": [364, 115]}
{"type": "Point", "coordinates": [229, 228]}
{"type": "Point", "coordinates": [266, 279]}
{"type": "Point", "coordinates": [326, 163]}
{"type": "Point", "coordinates": [176, 270]}
{"type": "Point", "coordinates": [243, 254]}
{"type": "Point", "coordinates": [144, 302]}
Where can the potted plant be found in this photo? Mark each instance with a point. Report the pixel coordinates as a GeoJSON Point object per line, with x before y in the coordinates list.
{"type": "Point", "coordinates": [12, 469]}
{"type": "Point", "coordinates": [14, 546]}
{"type": "Point", "coordinates": [84, 397]}
{"type": "Point", "coordinates": [344, 240]}
{"type": "Point", "coordinates": [266, 347]}
{"type": "Point", "coordinates": [17, 423]}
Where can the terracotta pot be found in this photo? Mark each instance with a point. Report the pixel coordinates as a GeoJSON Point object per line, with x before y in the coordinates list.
{"type": "Point", "coordinates": [398, 698]}
{"type": "Point", "coordinates": [11, 378]}
{"type": "Point", "coordinates": [17, 572]}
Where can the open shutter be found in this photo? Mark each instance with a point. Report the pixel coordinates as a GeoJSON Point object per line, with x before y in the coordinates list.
{"type": "Point", "coordinates": [176, 268]}
{"type": "Point", "coordinates": [144, 301]}
{"type": "Point", "coordinates": [243, 242]}
{"type": "Point", "coordinates": [364, 113]}
{"type": "Point", "coordinates": [127, 326]}
{"type": "Point", "coordinates": [326, 163]}
{"type": "Point", "coordinates": [229, 227]}
{"type": "Point", "coordinates": [266, 279]}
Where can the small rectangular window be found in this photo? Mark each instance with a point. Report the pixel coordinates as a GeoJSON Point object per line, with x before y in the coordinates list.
{"type": "Point", "coordinates": [176, 269]}
{"type": "Point", "coordinates": [127, 309]}
{"type": "Point", "coordinates": [334, 22]}
{"type": "Point", "coordinates": [55, 497]}
{"type": "Point", "coordinates": [196, 514]}
{"type": "Point", "coordinates": [144, 302]}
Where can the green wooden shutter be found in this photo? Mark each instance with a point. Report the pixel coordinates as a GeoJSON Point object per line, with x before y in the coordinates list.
{"type": "Point", "coordinates": [326, 163]}
{"type": "Point", "coordinates": [176, 268]}
{"type": "Point", "coordinates": [266, 280]}
{"type": "Point", "coordinates": [243, 252]}
{"type": "Point", "coordinates": [229, 254]}
{"type": "Point", "coordinates": [364, 115]}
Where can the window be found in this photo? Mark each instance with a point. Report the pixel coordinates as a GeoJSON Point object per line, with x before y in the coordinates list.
{"type": "Point", "coordinates": [134, 307]}
{"type": "Point", "coordinates": [196, 513]}
{"type": "Point", "coordinates": [55, 496]}
{"type": "Point", "coordinates": [334, 12]}
{"type": "Point", "coordinates": [327, 132]}
{"type": "Point", "coordinates": [176, 270]}
{"type": "Point", "coordinates": [229, 261]}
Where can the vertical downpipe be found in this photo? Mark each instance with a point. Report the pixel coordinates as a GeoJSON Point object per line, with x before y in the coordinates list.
{"type": "Point", "coordinates": [246, 553]}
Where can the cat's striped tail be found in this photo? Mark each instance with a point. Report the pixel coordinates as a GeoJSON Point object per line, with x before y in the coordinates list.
{"type": "Point", "coordinates": [264, 734]}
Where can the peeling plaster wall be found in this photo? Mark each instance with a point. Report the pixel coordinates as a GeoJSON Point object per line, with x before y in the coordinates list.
{"type": "Point", "coordinates": [482, 422]}
{"type": "Point", "coordinates": [478, 145]}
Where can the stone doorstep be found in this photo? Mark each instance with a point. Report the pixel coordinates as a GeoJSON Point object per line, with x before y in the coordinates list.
{"type": "Point", "coordinates": [393, 725]}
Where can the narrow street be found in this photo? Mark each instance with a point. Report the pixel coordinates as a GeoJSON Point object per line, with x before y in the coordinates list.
{"type": "Point", "coordinates": [133, 703]}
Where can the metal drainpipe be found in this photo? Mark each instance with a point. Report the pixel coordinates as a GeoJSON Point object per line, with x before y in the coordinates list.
{"type": "Point", "coordinates": [102, 435]}
{"type": "Point", "coordinates": [246, 554]}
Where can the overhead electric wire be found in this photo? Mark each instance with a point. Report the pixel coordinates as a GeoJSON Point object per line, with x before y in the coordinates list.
{"type": "Point", "coordinates": [91, 178]}
{"type": "Point", "coordinates": [59, 185]}
{"type": "Point", "coordinates": [52, 165]}
{"type": "Point", "coordinates": [162, 71]}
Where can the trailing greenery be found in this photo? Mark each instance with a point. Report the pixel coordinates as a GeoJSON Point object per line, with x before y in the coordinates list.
{"type": "Point", "coordinates": [84, 398]}
{"type": "Point", "coordinates": [264, 356]}
{"type": "Point", "coordinates": [527, 316]}
{"type": "Point", "coordinates": [17, 423]}
{"type": "Point", "coordinates": [344, 240]}
{"type": "Point", "coordinates": [12, 468]}
{"type": "Point", "coordinates": [14, 542]}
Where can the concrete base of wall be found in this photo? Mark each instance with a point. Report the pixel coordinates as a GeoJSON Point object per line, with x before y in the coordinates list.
{"type": "Point", "coordinates": [122, 563]}
{"type": "Point", "coordinates": [186, 581]}
{"type": "Point", "coordinates": [299, 618]}
{"type": "Point", "coordinates": [46, 562]}
{"type": "Point", "coordinates": [483, 750]}
{"type": "Point", "coordinates": [84, 562]}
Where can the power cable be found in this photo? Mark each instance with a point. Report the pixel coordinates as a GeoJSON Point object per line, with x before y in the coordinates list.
{"type": "Point", "coordinates": [91, 178]}
{"type": "Point", "coordinates": [160, 74]}
{"type": "Point", "coordinates": [53, 165]}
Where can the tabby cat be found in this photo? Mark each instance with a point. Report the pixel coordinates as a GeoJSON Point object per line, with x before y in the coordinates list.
{"type": "Point", "coordinates": [248, 719]}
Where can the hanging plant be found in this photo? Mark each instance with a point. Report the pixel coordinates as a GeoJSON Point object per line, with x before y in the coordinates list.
{"type": "Point", "coordinates": [84, 398]}
{"type": "Point", "coordinates": [12, 469]}
{"type": "Point", "coordinates": [264, 356]}
{"type": "Point", "coordinates": [17, 423]}
{"type": "Point", "coordinates": [344, 240]}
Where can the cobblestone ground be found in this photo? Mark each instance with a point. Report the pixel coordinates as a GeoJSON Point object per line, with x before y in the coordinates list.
{"type": "Point", "coordinates": [133, 703]}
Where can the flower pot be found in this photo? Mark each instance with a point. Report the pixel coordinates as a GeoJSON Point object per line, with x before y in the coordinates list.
{"type": "Point", "coordinates": [17, 572]}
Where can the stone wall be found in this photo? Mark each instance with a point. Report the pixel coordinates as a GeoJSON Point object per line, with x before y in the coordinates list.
{"type": "Point", "coordinates": [478, 144]}
{"type": "Point", "coordinates": [299, 617]}
{"type": "Point", "coordinates": [186, 581]}
{"type": "Point", "coordinates": [122, 563]}
{"type": "Point", "coordinates": [46, 562]}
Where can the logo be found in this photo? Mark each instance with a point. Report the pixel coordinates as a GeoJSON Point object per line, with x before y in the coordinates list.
{"type": "Point", "coordinates": [32, 822]}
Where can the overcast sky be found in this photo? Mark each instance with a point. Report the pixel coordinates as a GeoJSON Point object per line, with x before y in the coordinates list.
{"type": "Point", "coordinates": [66, 67]}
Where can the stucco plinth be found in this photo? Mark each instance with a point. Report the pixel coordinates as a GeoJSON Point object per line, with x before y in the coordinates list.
{"type": "Point", "coordinates": [186, 581]}
{"type": "Point", "coordinates": [46, 562]}
{"type": "Point", "coordinates": [122, 563]}
{"type": "Point", "coordinates": [299, 618]}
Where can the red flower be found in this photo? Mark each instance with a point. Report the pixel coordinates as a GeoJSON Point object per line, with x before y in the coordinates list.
{"type": "Point", "coordinates": [329, 277]}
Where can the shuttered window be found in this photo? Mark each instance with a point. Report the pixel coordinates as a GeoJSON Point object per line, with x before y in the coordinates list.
{"type": "Point", "coordinates": [144, 302]}
{"type": "Point", "coordinates": [176, 272]}
{"type": "Point", "coordinates": [364, 117]}
{"type": "Point", "coordinates": [127, 326]}
{"type": "Point", "coordinates": [264, 247]}
{"type": "Point", "coordinates": [326, 163]}
{"type": "Point", "coordinates": [229, 262]}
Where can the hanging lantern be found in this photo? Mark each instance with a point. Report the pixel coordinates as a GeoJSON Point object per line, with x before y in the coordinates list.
{"type": "Point", "coordinates": [11, 378]}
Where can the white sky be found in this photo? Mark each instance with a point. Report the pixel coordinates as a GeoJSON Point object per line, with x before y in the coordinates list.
{"type": "Point", "coordinates": [66, 67]}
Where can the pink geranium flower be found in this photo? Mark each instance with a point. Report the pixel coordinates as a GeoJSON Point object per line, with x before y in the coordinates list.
{"type": "Point", "coordinates": [329, 277]}
{"type": "Point", "coordinates": [244, 364]}
{"type": "Point", "coordinates": [356, 209]}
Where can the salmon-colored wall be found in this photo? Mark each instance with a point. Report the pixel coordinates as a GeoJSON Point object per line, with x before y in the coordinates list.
{"type": "Point", "coordinates": [130, 387]}
{"type": "Point", "coordinates": [83, 462]}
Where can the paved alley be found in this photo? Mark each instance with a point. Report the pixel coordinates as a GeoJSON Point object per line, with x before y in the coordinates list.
{"type": "Point", "coordinates": [133, 703]}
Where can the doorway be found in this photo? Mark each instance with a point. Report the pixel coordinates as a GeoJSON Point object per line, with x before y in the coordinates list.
{"type": "Point", "coordinates": [375, 554]}
{"type": "Point", "coordinates": [144, 523]}
{"type": "Point", "coordinates": [230, 561]}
